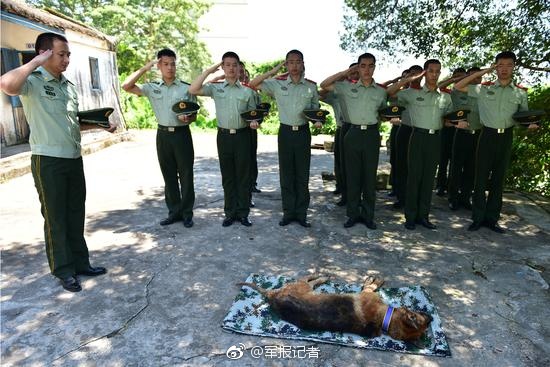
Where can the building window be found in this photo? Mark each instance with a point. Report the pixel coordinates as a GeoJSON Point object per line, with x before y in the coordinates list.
{"type": "Point", "coordinates": [94, 73]}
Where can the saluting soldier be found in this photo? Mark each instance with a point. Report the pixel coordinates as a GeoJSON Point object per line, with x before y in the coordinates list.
{"type": "Point", "coordinates": [362, 99]}
{"type": "Point", "coordinates": [497, 103]}
{"type": "Point", "coordinates": [426, 108]}
{"type": "Point", "coordinates": [174, 143]}
{"type": "Point", "coordinates": [234, 143]}
{"type": "Point", "coordinates": [402, 138]}
{"type": "Point", "coordinates": [50, 103]}
{"type": "Point", "coordinates": [293, 94]}
{"type": "Point", "coordinates": [461, 176]}
{"type": "Point", "coordinates": [447, 136]}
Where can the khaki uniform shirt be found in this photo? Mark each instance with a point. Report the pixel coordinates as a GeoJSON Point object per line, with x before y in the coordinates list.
{"type": "Point", "coordinates": [333, 100]}
{"type": "Point", "coordinates": [426, 108]}
{"type": "Point", "coordinates": [292, 98]}
{"type": "Point", "coordinates": [498, 103]}
{"type": "Point", "coordinates": [462, 101]}
{"type": "Point", "coordinates": [230, 101]}
{"type": "Point", "coordinates": [163, 96]}
{"type": "Point", "coordinates": [362, 102]}
{"type": "Point", "coordinates": [51, 106]}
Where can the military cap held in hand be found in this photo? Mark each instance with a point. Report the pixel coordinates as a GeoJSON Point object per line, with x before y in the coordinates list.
{"type": "Point", "coordinates": [254, 115]}
{"type": "Point", "coordinates": [185, 108]}
{"type": "Point", "coordinates": [316, 115]}
{"type": "Point", "coordinates": [263, 106]}
{"type": "Point", "coordinates": [99, 116]}
{"type": "Point", "coordinates": [458, 115]}
{"type": "Point", "coordinates": [391, 111]}
{"type": "Point", "coordinates": [529, 117]}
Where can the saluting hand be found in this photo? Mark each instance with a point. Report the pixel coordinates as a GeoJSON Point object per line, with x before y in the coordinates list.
{"type": "Point", "coordinates": [276, 69]}
{"type": "Point", "coordinates": [254, 125]}
{"type": "Point", "coordinates": [463, 124]}
{"type": "Point", "coordinates": [533, 126]}
{"type": "Point", "coordinates": [318, 125]}
{"type": "Point", "coordinates": [412, 78]}
{"type": "Point", "coordinates": [214, 68]}
{"type": "Point", "coordinates": [42, 57]}
{"type": "Point", "coordinates": [150, 64]}
{"type": "Point", "coordinates": [395, 121]}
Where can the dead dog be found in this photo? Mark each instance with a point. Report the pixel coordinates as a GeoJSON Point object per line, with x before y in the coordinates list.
{"type": "Point", "coordinates": [361, 313]}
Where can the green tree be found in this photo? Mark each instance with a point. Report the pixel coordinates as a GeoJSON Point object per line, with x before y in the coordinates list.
{"type": "Point", "coordinates": [141, 27]}
{"type": "Point", "coordinates": [458, 32]}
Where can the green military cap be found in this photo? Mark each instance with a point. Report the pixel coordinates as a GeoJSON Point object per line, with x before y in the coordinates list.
{"type": "Point", "coordinates": [99, 116]}
{"type": "Point", "coordinates": [529, 117]}
{"type": "Point", "coordinates": [263, 106]}
{"type": "Point", "coordinates": [185, 108]}
{"type": "Point", "coordinates": [391, 111]}
{"type": "Point", "coordinates": [254, 115]}
{"type": "Point", "coordinates": [316, 115]}
{"type": "Point", "coordinates": [457, 115]}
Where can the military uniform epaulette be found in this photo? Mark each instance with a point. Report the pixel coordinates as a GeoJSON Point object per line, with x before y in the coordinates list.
{"type": "Point", "coordinates": [311, 81]}
{"type": "Point", "coordinates": [521, 87]}
{"type": "Point", "coordinates": [381, 85]}
{"type": "Point", "coordinates": [184, 82]}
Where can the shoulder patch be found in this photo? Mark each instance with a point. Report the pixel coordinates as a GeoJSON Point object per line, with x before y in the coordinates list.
{"type": "Point", "coordinates": [521, 87]}
{"type": "Point", "coordinates": [311, 81]}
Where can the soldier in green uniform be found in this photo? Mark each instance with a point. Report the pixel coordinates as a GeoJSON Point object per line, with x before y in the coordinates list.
{"type": "Point", "coordinates": [234, 143]}
{"type": "Point", "coordinates": [293, 94]}
{"type": "Point", "coordinates": [402, 137]}
{"type": "Point", "coordinates": [461, 177]}
{"type": "Point", "coordinates": [174, 142]}
{"type": "Point", "coordinates": [497, 102]}
{"type": "Point", "coordinates": [362, 99]}
{"type": "Point", "coordinates": [50, 103]}
{"type": "Point", "coordinates": [447, 136]}
{"type": "Point", "coordinates": [426, 107]}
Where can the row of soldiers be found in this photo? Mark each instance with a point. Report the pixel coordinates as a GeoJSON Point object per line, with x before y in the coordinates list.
{"type": "Point", "coordinates": [50, 102]}
{"type": "Point", "coordinates": [420, 140]}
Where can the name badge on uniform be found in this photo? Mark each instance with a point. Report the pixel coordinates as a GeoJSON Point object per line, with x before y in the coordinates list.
{"type": "Point", "coordinates": [490, 92]}
{"type": "Point", "coordinates": [284, 88]}
{"type": "Point", "coordinates": [156, 91]}
{"type": "Point", "coordinates": [50, 93]}
{"type": "Point", "coordinates": [48, 88]}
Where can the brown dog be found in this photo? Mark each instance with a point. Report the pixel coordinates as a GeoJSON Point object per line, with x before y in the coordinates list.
{"type": "Point", "coordinates": [360, 313]}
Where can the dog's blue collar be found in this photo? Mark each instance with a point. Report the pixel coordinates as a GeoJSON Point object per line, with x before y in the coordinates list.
{"type": "Point", "coordinates": [387, 319]}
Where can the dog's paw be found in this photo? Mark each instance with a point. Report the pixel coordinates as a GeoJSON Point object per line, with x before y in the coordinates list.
{"type": "Point", "coordinates": [372, 284]}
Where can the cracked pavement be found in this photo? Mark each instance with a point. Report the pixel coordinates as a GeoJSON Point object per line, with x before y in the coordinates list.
{"type": "Point", "coordinates": [168, 288]}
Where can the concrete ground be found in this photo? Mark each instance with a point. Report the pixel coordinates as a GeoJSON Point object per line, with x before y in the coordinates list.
{"type": "Point", "coordinates": [169, 288]}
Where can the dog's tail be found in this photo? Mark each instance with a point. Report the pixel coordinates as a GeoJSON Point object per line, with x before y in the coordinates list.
{"type": "Point", "coordinates": [262, 291]}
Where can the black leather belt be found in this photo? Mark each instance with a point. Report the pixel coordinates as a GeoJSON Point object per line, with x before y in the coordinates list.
{"type": "Point", "coordinates": [294, 127]}
{"type": "Point", "coordinates": [364, 127]}
{"type": "Point", "coordinates": [469, 132]}
{"type": "Point", "coordinates": [232, 131]}
{"type": "Point", "coordinates": [497, 131]}
{"type": "Point", "coordinates": [426, 131]}
{"type": "Point", "coordinates": [171, 129]}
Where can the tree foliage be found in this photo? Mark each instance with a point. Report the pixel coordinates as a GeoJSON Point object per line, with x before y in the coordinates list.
{"type": "Point", "coordinates": [458, 32]}
{"type": "Point", "coordinates": [142, 27]}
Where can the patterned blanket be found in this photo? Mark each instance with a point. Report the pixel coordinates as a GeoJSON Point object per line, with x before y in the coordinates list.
{"type": "Point", "coordinates": [250, 314]}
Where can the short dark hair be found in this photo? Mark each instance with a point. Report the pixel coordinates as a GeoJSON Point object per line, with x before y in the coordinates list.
{"type": "Point", "coordinates": [44, 41]}
{"type": "Point", "coordinates": [474, 69]}
{"type": "Point", "coordinates": [366, 55]}
{"type": "Point", "coordinates": [506, 55]}
{"type": "Point", "coordinates": [231, 54]}
{"type": "Point", "coordinates": [415, 68]}
{"type": "Point", "coordinates": [352, 64]}
{"type": "Point", "coordinates": [166, 52]}
{"type": "Point", "coordinates": [459, 70]}
{"type": "Point", "coordinates": [431, 61]}
{"type": "Point", "coordinates": [295, 52]}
